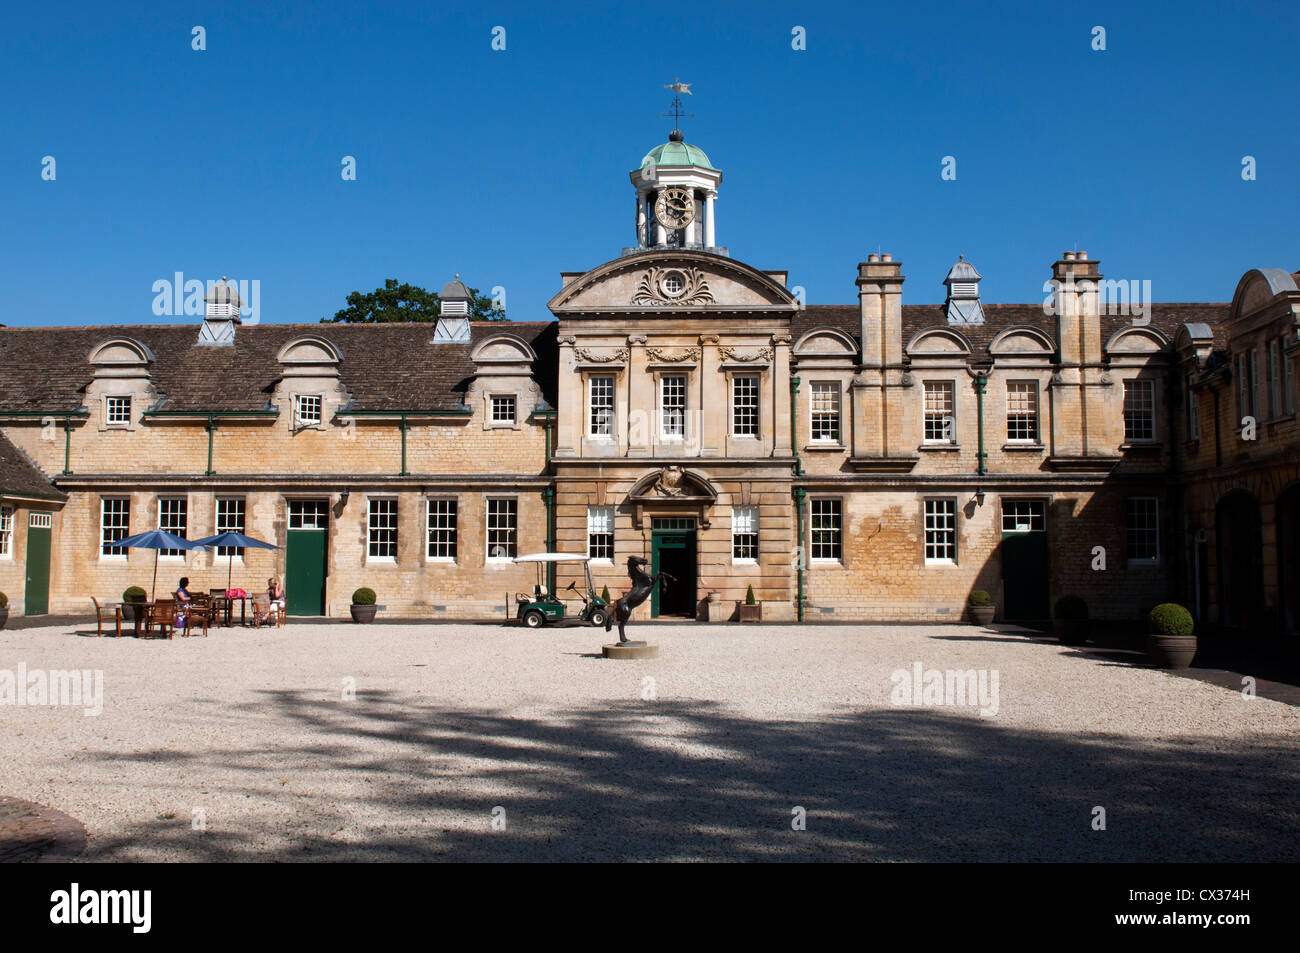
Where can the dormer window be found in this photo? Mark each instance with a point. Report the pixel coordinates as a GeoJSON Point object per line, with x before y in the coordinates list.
{"type": "Point", "coordinates": [117, 411]}
{"type": "Point", "coordinates": [503, 410]}
{"type": "Point", "coordinates": [307, 409]}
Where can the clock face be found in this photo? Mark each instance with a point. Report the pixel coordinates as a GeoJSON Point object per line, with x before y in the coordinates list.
{"type": "Point", "coordinates": [675, 208]}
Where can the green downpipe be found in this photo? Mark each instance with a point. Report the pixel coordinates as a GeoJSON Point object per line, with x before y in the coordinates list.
{"type": "Point", "coordinates": [67, 445]}
{"type": "Point", "coordinates": [405, 427]}
{"type": "Point", "coordinates": [981, 456]}
{"type": "Point", "coordinates": [794, 428]}
{"type": "Point", "coordinates": [212, 429]}
{"type": "Point", "coordinates": [548, 496]}
{"type": "Point", "coordinates": [798, 510]}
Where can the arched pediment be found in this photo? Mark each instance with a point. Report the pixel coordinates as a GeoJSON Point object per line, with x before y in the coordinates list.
{"type": "Point", "coordinates": [1137, 339]}
{"type": "Point", "coordinates": [669, 282]}
{"type": "Point", "coordinates": [673, 483]}
{"type": "Point", "coordinates": [938, 340]}
{"type": "Point", "coordinates": [503, 348]}
{"type": "Point", "coordinates": [121, 352]}
{"type": "Point", "coordinates": [1258, 288]}
{"type": "Point", "coordinates": [309, 349]}
{"type": "Point", "coordinates": [825, 341]}
{"type": "Point", "coordinates": [1022, 339]}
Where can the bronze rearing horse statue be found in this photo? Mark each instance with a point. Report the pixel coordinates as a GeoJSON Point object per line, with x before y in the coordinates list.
{"type": "Point", "coordinates": [642, 585]}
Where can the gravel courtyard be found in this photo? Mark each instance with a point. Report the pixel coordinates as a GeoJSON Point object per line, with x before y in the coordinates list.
{"type": "Point", "coordinates": [472, 742]}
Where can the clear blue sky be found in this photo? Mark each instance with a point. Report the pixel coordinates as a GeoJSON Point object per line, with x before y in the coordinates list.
{"type": "Point", "coordinates": [510, 167]}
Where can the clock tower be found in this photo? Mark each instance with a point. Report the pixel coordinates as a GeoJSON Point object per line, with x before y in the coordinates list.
{"type": "Point", "coordinates": [675, 191]}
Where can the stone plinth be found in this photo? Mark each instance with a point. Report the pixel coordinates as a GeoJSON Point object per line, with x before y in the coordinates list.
{"type": "Point", "coordinates": [630, 650]}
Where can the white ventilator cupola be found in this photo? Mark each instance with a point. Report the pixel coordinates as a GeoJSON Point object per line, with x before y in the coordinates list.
{"type": "Point", "coordinates": [963, 304]}
{"type": "Point", "coordinates": [454, 307]}
{"type": "Point", "coordinates": [221, 313]}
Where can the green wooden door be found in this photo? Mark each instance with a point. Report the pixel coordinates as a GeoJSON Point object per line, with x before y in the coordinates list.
{"type": "Point", "coordinates": [37, 600]}
{"type": "Point", "coordinates": [305, 572]}
{"type": "Point", "coordinates": [1025, 577]}
{"type": "Point", "coordinates": [673, 552]}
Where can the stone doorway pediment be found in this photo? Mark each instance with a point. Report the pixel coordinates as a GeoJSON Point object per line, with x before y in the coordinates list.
{"type": "Point", "coordinates": [673, 490]}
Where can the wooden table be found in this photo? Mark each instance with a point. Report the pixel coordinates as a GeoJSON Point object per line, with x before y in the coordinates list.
{"type": "Point", "coordinates": [224, 606]}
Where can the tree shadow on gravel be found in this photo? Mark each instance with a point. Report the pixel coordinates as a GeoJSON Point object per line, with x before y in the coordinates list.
{"type": "Point", "coordinates": [666, 780]}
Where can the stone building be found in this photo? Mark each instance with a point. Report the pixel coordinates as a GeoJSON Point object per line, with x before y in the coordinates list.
{"type": "Point", "coordinates": [873, 460]}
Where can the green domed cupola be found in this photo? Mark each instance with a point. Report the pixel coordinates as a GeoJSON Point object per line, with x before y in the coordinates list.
{"type": "Point", "coordinates": [676, 186]}
{"type": "Point", "coordinates": [677, 153]}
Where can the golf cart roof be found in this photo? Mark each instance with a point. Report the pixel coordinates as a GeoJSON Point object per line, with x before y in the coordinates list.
{"type": "Point", "coordinates": [552, 558]}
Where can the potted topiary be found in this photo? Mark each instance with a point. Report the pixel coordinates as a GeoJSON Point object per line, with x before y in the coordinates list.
{"type": "Point", "coordinates": [604, 595]}
{"type": "Point", "coordinates": [1070, 620]}
{"type": "Point", "coordinates": [981, 607]}
{"type": "Point", "coordinates": [1171, 639]}
{"type": "Point", "coordinates": [4, 609]}
{"type": "Point", "coordinates": [131, 595]}
{"type": "Point", "coordinates": [750, 610]}
{"type": "Point", "coordinates": [363, 605]}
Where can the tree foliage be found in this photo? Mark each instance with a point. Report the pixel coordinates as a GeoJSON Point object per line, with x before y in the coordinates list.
{"type": "Point", "coordinates": [405, 302]}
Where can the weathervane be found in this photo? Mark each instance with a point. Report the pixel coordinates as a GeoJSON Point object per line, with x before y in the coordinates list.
{"type": "Point", "coordinates": [676, 110]}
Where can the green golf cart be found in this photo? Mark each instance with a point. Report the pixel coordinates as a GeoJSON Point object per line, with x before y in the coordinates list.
{"type": "Point", "coordinates": [545, 608]}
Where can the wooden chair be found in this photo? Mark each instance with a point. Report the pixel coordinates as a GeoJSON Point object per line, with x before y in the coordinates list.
{"type": "Point", "coordinates": [264, 613]}
{"type": "Point", "coordinates": [101, 618]}
{"type": "Point", "coordinates": [220, 606]}
{"type": "Point", "coordinates": [198, 612]}
{"type": "Point", "coordinates": [163, 615]}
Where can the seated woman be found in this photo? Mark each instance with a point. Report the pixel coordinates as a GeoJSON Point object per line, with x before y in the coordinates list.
{"type": "Point", "coordinates": [183, 599]}
{"type": "Point", "coordinates": [275, 593]}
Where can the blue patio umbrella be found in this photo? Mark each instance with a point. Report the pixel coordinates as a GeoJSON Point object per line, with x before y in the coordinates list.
{"type": "Point", "coordinates": [157, 539]}
{"type": "Point", "coordinates": [233, 540]}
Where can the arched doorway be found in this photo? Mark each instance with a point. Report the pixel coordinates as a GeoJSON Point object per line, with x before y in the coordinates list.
{"type": "Point", "coordinates": [1241, 559]}
{"type": "Point", "coordinates": [1288, 559]}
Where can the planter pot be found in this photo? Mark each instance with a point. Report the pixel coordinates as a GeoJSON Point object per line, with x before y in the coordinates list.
{"type": "Point", "coordinates": [1071, 631]}
{"type": "Point", "coordinates": [982, 615]}
{"type": "Point", "coordinates": [363, 613]}
{"type": "Point", "coordinates": [4, 616]}
{"type": "Point", "coordinates": [1171, 651]}
{"type": "Point", "coordinates": [752, 613]}
{"type": "Point", "coordinates": [128, 612]}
